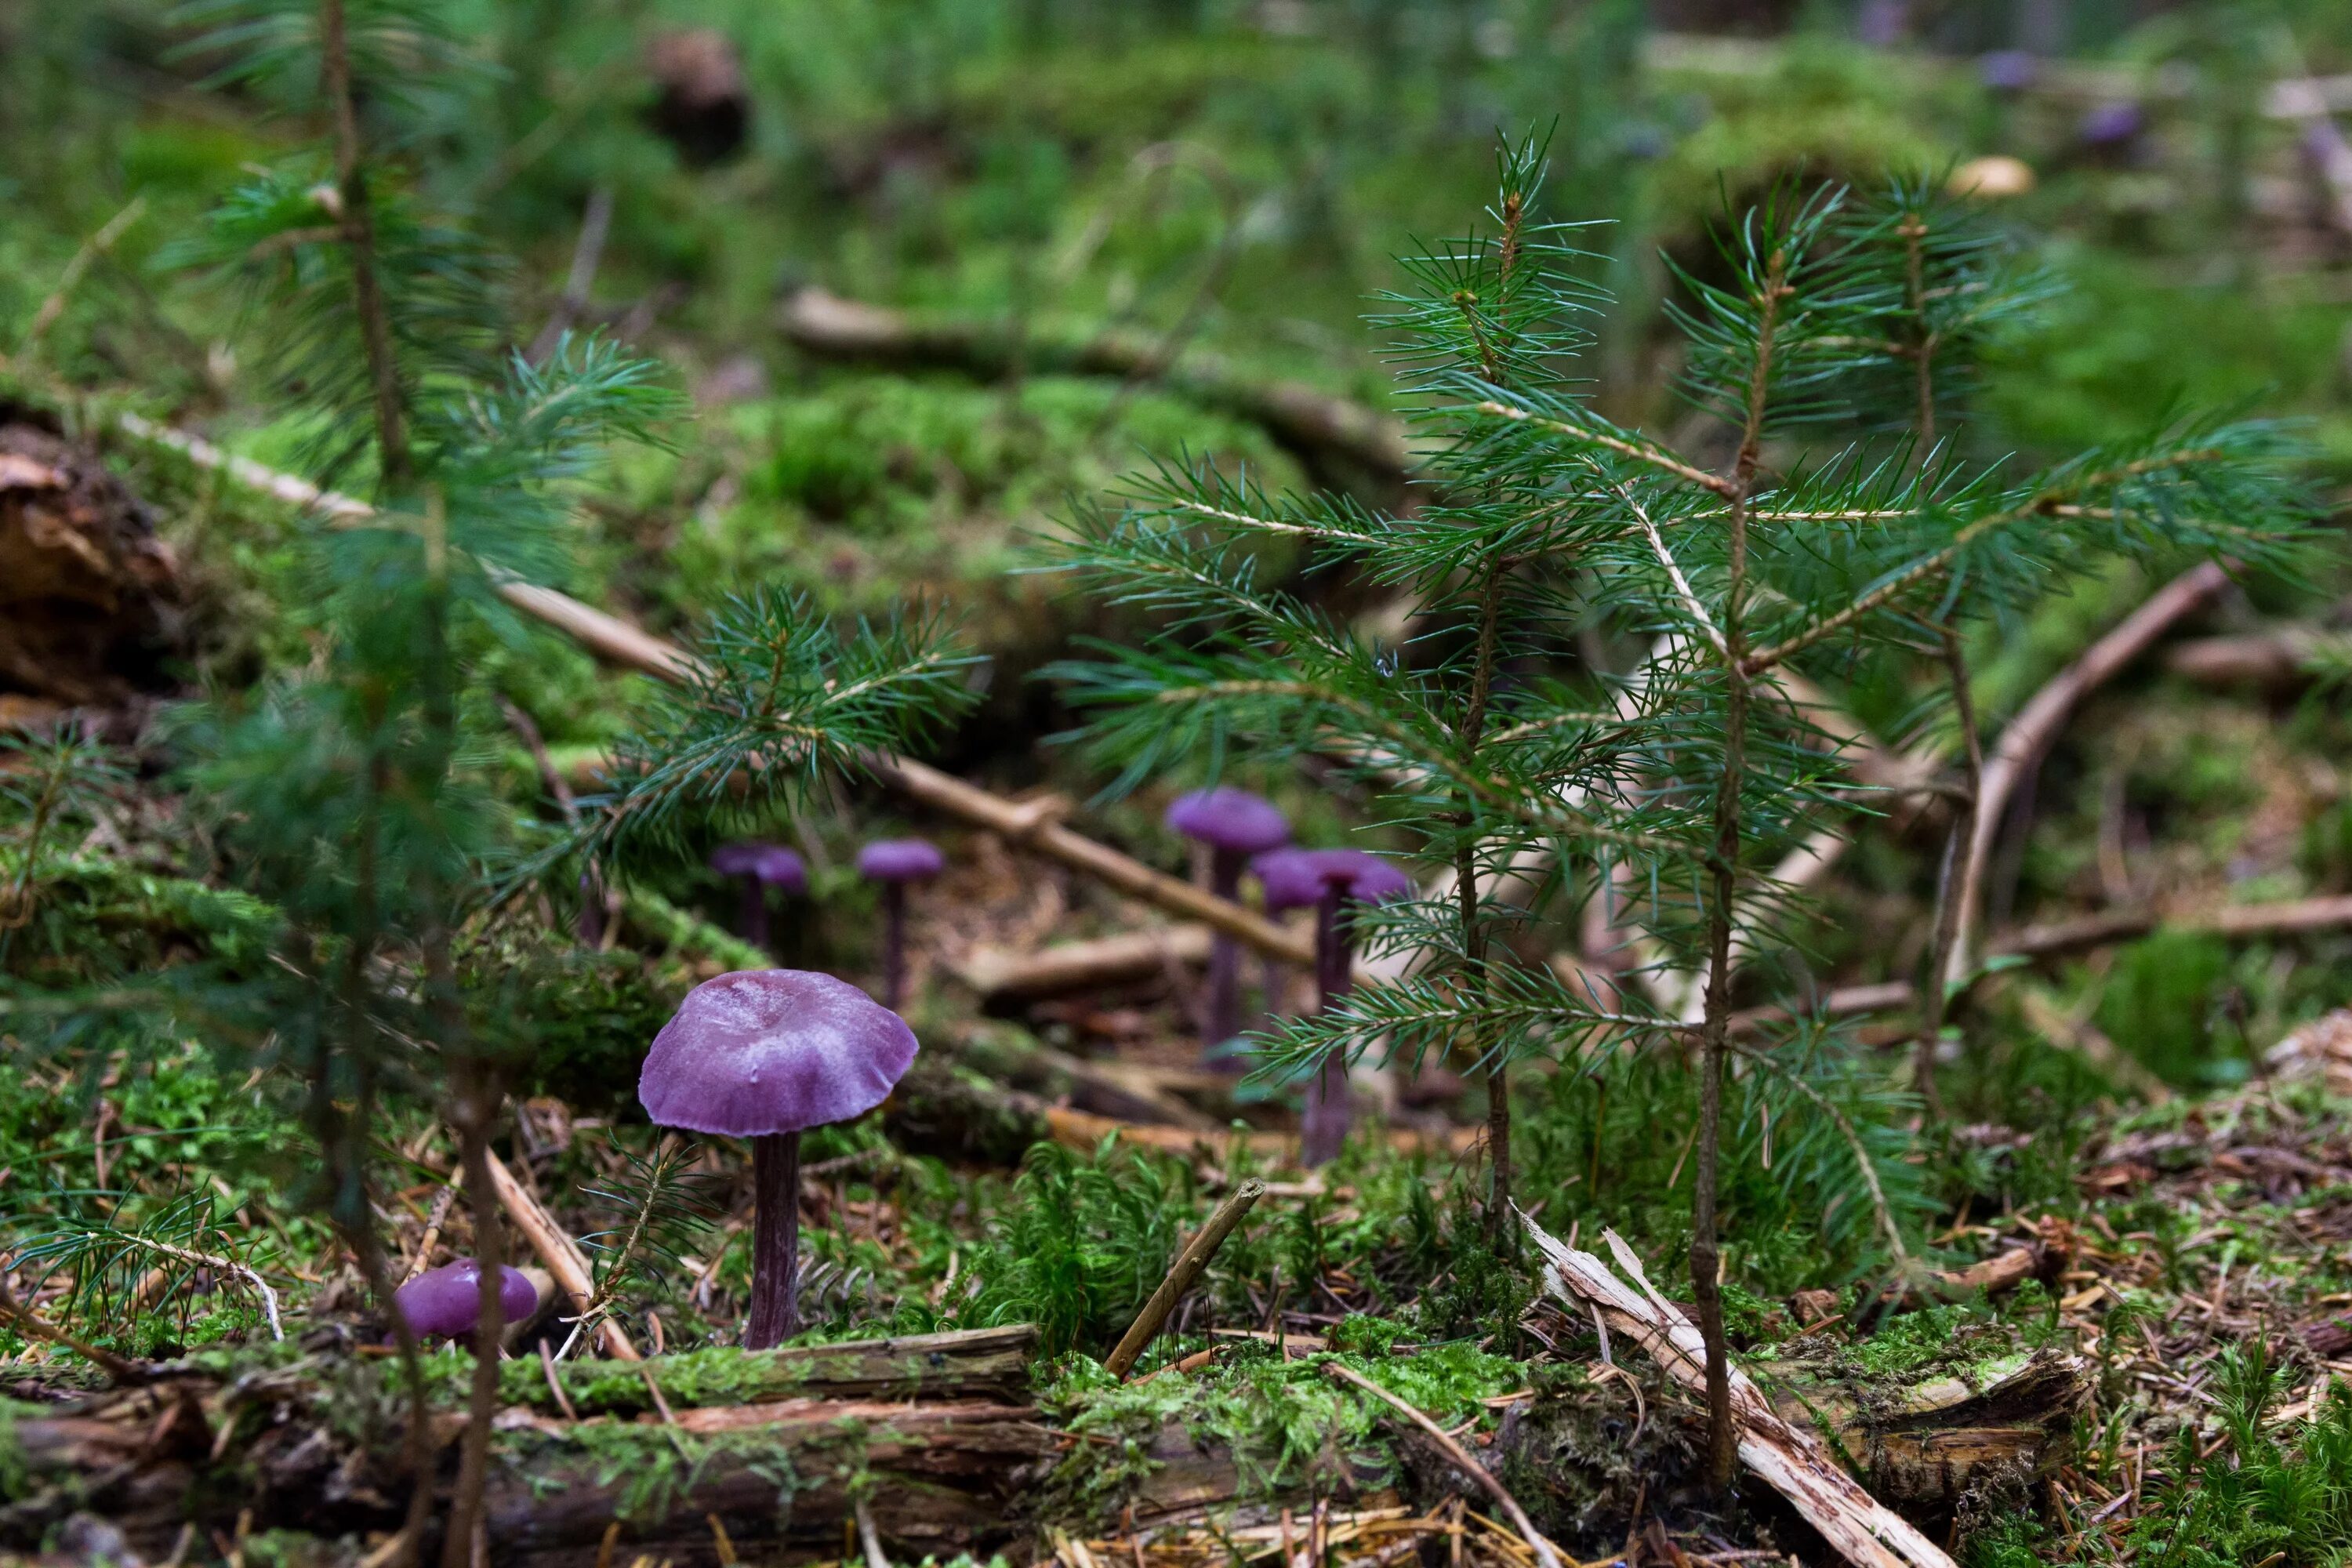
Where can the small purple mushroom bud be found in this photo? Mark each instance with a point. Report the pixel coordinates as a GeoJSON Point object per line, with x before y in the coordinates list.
{"type": "Point", "coordinates": [2111, 127]}
{"type": "Point", "coordinates": [894, 863]}
{"type": "Point", "coordinates": [1234, 825]}
{"type": "Point", "coordinates": [765, 1054]}
{"type": "Point", "coordinates": [1334, 880]}
{"type": "Point", "coordinates": [2009, 70]}
{"type": "Point", "coordinates": [760, 867]}
{"type": "Point", "coordinates": [446, 1303]}
{"type": "Point", "coordinates": [1882, 23]}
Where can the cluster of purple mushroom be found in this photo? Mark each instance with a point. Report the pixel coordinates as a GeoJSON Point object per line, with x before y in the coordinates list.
{"type": "Point", "coordinates": [889, 863]}
{"type": "Point", "coordinates": [1246, 832]}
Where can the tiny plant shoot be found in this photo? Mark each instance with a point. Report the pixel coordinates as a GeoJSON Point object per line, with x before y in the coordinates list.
{"type": "Point", "coordinates": [1826, 515]}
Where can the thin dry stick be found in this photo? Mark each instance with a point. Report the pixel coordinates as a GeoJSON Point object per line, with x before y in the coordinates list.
{"type": "Point", "coordinates": [1189, 1263]}
{"type": "Point", "coordinates": [96, 246]}
{"type": "Point", "coordinates": [433, 1221]}
{"type": "Point", "coordinates": [33, 1326]}
{"type": "Point", "coordinates": [869, 1538]}
{"type": "Point", "coordinates": [1544, 1550]}
{"type": "Point", "coordinates": [225, 1265]}
{"type": "Point", "coordinates": [2030, 734]}
{"type": "Point", "coordinates": [1958, 849]}
{"type": "Point", "coordinates": [559, 1252]}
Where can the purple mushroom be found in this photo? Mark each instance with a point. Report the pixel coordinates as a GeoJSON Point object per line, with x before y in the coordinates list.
{"type": "Point", "coordinates": [2009, 70]}
{"type": "Point", "coordinates": [2112, 127]}
{"type": "Point", "coordinates": [894, 863]}
{"type": "Point", "coordinates": [760, 867]}
{"type": "Point", "coordinates": [446, 1303]}
{"type": "Point", "coordinates": [1334, 882]}
{"type": "Point", "coordinates": [765, 1054]}
{"type": "Point", "coordinates": [1234, 825]}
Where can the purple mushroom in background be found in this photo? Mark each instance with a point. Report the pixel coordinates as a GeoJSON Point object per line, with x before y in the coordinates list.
{"type": "Point", "coordinates": [765, 1054]}
{"type": "Point", "coordinates": [1333, 882]}
{"type": "Point", "coordinates": [894, 863]}
{"type": "Point", "coordinates": [760, 867]}
{"type": "Point", "coordinates": [1234, 825]}
{"type": "Point", "coordinates": [2112, 127]}
{"type": "Point", "coordinates": [446, 1303]}
{"type": "Point", "coordinates": [2009, 70]}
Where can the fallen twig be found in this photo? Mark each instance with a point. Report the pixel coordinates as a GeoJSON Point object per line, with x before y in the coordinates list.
{"type": "Point", "coordinates": [1190, 1262]}
{"type": "Point", "coordinates": [1791, 1460]}
{"type": "Point", "coordinates": [566, 1264]}
{"type": "Point", "coordinates": [1545, 1551]}
{"type": "Point", "coordinates": [2030, 735]}
{"type": "Point", "coordinates": [32, 1325]}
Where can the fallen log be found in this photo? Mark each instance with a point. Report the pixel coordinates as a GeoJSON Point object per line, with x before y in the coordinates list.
{"type": "Point", "coordinates": [1346, 443]}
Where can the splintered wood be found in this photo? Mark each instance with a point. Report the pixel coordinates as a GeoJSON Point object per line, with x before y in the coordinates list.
{"type": "Point", "coordinates": [1790, 1459]}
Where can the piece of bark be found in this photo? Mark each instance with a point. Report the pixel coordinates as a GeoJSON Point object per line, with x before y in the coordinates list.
{"type": "Point", "coordinates": [1346, 445]}
{"type": "Point", "coordinates": [1925, 1444]}
{"type": "Point", "coordinates": [1788, 1455]}
{"type": "Point", "coordinates": [90, 597]}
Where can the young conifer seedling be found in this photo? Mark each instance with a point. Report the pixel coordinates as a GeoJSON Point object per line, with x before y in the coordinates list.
{"type": "Point", "coordinates": [1822, 521]}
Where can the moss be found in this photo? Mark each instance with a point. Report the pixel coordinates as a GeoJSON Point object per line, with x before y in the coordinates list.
{"type": "Point", "coordinates": [652, 1466]}
{"type": "Point", "coordinates": [1286, 1423]}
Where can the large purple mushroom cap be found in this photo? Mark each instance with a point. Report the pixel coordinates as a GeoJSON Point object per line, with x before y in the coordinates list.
{"type": "Point", "coordinates": [1368, 877]}
{"type": "Point", "coordinates": [770, 864]}
{"type": "Point", "coordinates": [447, 1302]}
{"type": "Point", "coordinates": [763, 1051]}
{"type": "Point", "coordinates": [900, 860]}
{"type": "Point", "coordinates": [1295, 878]}
{"type": "Point", "coordinates": [1232, 819]}
{"type": "Point", "coordinates": [1291, 879]}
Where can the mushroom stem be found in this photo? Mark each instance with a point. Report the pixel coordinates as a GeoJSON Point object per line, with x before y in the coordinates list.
{"type": "Point", "coordinates": [755, 912]}
{"type": "Point", "coordinates": [893, 945]}
{"type": "Point", "coordinates": [775, 1240]}
{"type": "Point", "coordinates": [1222, 1015]}
{"type": "Point", "coordinates": [1323, 1127]}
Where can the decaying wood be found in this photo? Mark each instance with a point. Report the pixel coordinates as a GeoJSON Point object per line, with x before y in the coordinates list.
{"type": "Point", "coordinates": [1329, 433]}
{"type": "Point", "coordinates": [1787, 1456]}
{"type": "Point", "coordinates": [89, 594]}
{"type": "Point", "coordinates": [939, 1424]}
{"type": "Point", "coordinates": [1186, 1271]}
